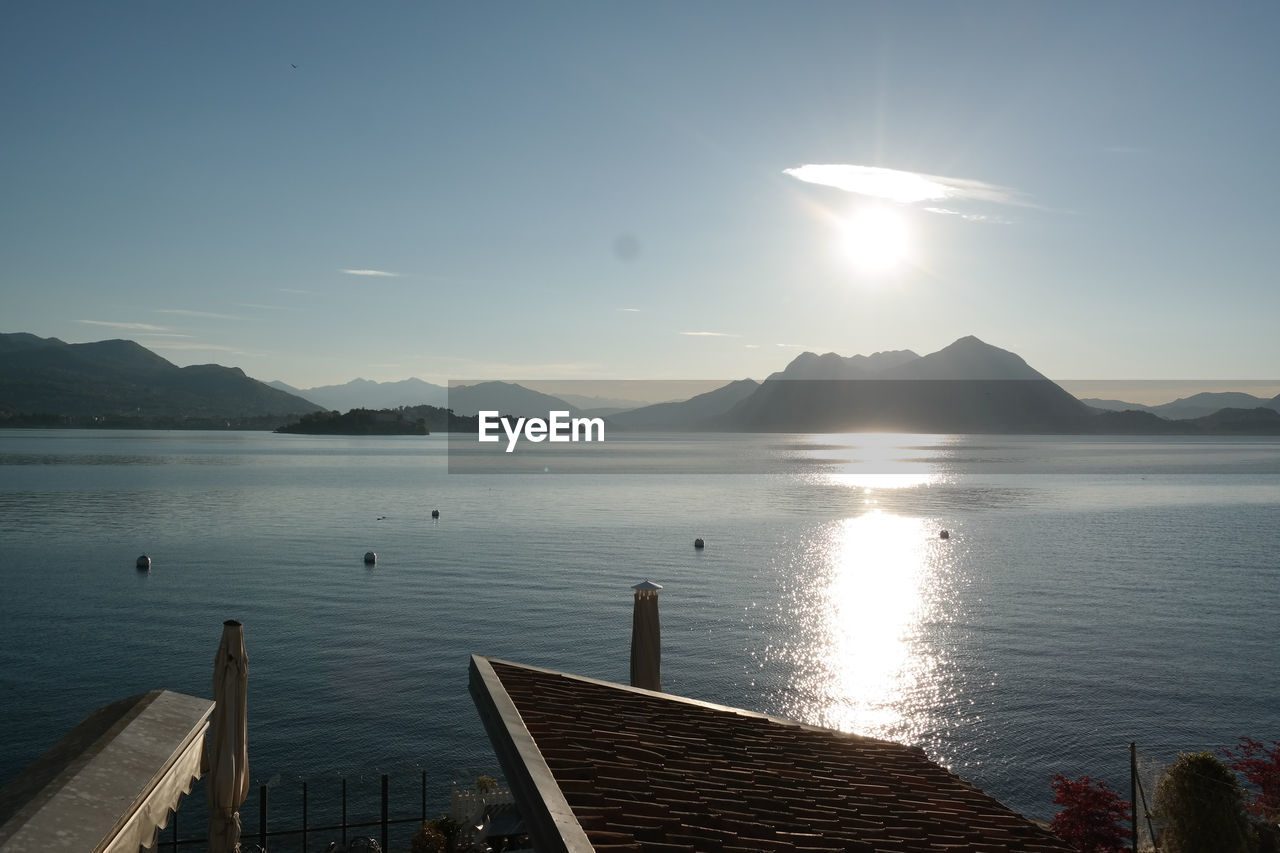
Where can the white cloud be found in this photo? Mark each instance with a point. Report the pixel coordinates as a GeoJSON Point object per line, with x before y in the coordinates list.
{"type": "Point", "coordinates": [632, 310]}
{"type": "Point", "coordinates": [131, 327]}
{"type": "Point", "coordinates": [899, 186]}
{"type": "Point", "coordinates": [711, 334]}
{"type": "Point", "coordinates": [381, 273]}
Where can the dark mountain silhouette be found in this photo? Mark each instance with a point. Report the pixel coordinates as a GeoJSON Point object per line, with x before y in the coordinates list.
{"type": "Point", "coordinates": [367, 394]}
{"type": "Point", "coordinates": [969, 386]}
{"type": "Point", "coordinates": [809, 365]}
{"type": "Point", "coordinates": [1261, 420]}
{"type": "Point", "coordinates": [115, 379]}
{"type": "Point", "coordinates": [700, 412]}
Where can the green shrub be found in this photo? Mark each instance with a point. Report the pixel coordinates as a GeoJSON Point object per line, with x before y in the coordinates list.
{"type": "Point", "coordinates": [1200, 803]}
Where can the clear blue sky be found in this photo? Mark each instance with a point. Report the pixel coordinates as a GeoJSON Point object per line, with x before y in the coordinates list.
{"type": "Point", "coordinates": [569, 189]}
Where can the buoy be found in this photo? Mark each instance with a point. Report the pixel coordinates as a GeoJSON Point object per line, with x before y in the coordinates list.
{"type": "Point", "coordinates": [698, 543]}
{"type": "Point", "coordinates": [370, 558]}
{"type": "Point", "coordinates": [944, 535]}
{"type": "Point", "coordinates": [435, 513]}
{"type": "Point", "coordinates": [144, 563]}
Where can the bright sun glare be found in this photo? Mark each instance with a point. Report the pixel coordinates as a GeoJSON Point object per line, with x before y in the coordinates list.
{"type": "Point", "coordinates": [876, 238]}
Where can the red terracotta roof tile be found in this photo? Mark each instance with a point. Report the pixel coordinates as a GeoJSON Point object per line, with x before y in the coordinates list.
{"type": "Point", "coordinates": [600, 766]}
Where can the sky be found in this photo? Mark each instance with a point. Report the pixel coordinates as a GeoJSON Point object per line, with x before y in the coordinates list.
{"type": "Point", "coordinates": [317, 192]}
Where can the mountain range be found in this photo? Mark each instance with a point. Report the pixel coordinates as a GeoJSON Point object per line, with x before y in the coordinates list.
{"type": "Point", "coordinates": [966, 387]}
{"type": "Point", "coordinates": [367, 394]}
{"type": "Point", "coordinates": [115, 381]}
{"type": "Point", "coordinates": [1195, 406]}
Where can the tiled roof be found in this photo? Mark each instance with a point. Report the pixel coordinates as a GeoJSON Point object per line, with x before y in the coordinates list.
{"type": "Point", "coordinates": [602, 766]}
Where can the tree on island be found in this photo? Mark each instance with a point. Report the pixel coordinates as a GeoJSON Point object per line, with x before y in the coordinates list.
{"type": "Point", "coordinates": [1092, 817]}
{"type": "Point", "coordinates": [1201, 805]}
{"type": "Point", "coordinates": [358, 422]}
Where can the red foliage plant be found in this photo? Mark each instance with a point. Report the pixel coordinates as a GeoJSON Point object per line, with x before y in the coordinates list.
{"type": "Point", "coordinates": [1093, 815]}
{"type": "Point", "coordinates": [1259, 764]}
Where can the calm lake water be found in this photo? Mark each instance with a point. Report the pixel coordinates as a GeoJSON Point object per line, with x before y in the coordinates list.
{"type": "Point", "coordinates": [1093, 591]}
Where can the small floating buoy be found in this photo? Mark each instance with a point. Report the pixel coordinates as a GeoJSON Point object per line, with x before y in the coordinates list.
{"type": "Point", "coordinates": [370, 558]}
{"type": "Point", "coordinates": [144, 563]}
{"type": "Point", "coordinates": [435, 513]}
{"type": "Point", "coordinates": [944, 535]}
{"type": "Point", "coordinates": [698, 543]}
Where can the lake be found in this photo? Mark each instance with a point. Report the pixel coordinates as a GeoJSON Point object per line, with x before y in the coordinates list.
{"type": "Point", "coordinates": [1093, 590]}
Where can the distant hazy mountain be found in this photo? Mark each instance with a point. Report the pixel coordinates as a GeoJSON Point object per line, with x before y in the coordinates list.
{"type": "Point", "coordinates": [1114, 405]}
{"type": "Point", "coordinates": [367, 394]}
{"type": "Point", "coordinates": [967, 387]}
{"type": "Point", "coordinates": [507, 398]}
{"type": "Point", "coordinates": [1200, 405]}
{"type": "Point", "coordinates": [1195, 406]}
{"type": "Point", "coordinates": [700, 412]}
{"type": "Point", "coordinates": [589, 403]}
{"type": "Point", "coordinates": [121, 379]}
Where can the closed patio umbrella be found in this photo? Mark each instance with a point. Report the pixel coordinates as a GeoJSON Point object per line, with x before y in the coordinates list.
{"type": "Point", "coordinates": [228, 757]}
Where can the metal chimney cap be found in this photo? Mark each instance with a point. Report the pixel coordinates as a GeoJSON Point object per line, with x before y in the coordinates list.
{"type": "Point", "coordinates": [646, 585]}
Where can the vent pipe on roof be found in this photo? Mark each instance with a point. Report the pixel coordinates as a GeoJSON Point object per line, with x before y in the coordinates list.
{"type": "Point", "coordinates": [646, 638]}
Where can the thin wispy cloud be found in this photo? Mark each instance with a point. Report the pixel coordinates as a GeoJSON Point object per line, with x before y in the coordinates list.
{"type": "Point", "coordinates": [375, 273]}
{"type": "Point", "coordinates": [902, 187]}
{"type": "Point", "coordinates": [710, 335]}
{"type": "Point", "coordinates": [295, 291]}
{"type": "Point", "coordinates": [128, 327]}
{"type": "Point", "coordinates": [805, 347]}
{"type": "Point", "coordinates": [184, 312]}
{"type": "Point", "coordinates": [261, 307]}
{"type": "Point", "coordinates": [970, 217]}
{"type": "Point", "coordinates": [630, 310]}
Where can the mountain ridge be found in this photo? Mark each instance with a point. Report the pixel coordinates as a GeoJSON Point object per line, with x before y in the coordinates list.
{"type": "Point", "coordinates": [967, 386]}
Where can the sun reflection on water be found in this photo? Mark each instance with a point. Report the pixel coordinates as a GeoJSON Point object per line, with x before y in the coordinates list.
{"type": "Point", "coordinates": [865, 606]}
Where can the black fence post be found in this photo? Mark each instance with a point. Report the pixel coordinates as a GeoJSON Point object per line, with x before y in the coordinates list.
{"type": "Point", "coordinates": [262, 817]}
{"type": "Point", "coordinates": [304, 817]}
{"type": "Point", "coordinates": [384, 811]}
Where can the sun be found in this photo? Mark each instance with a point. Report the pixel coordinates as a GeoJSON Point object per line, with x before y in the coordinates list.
{"type": "Point", "coordinates": [876, 238]}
